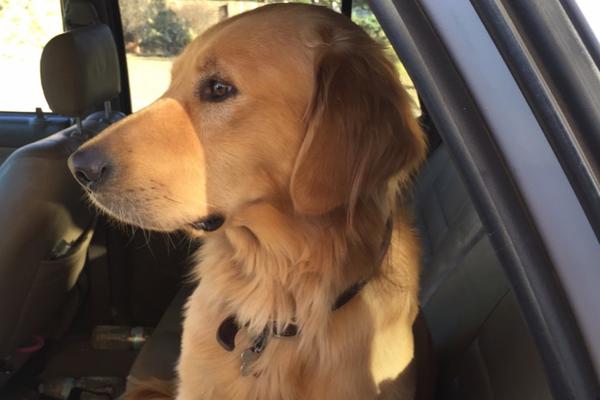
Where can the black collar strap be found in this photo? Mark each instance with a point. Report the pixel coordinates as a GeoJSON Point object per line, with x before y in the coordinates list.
{"type": "Point", "coordinates": [349, 294]}
{"type": "Point", "coordinates": [229, 328]}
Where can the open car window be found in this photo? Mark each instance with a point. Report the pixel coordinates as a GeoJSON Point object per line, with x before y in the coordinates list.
{"type": "Point", "coordinates": [26, 27]}
{"type": "Point", "coordinates": [591, 11]}
{"type": "Point", "coordinates": [155, 32]}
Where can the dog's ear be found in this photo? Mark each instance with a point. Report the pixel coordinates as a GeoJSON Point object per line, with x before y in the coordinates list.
{"type": "Point", "coordinates": [359, 128]}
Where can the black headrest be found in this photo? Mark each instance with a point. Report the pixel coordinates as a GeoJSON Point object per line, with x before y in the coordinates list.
{"type": "Point", "coordinates": [80, 70]}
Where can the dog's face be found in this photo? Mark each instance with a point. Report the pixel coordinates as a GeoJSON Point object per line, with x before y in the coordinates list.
{"type": "Point", "coordinates": [288, 104]}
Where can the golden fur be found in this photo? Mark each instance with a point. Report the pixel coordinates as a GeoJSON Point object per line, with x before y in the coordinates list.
{"type": "Point", "coordinates": [306, 163]}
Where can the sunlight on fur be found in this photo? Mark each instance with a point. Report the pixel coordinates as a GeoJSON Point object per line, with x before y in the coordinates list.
{"type": "Point", "coordinates": [305, 146]}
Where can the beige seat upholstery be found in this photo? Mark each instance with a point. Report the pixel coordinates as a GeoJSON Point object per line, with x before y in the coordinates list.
{"type": "Point", "coordinates": [158, 357]}
{"type": "Point", "coordinates": [47, 224]}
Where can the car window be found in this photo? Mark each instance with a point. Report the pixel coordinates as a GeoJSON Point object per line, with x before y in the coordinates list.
{"type": "Point", "coordinates": [364, 17]}
{"type": "Point", "coordinates": [155, 31]}
{"type": "Point", "coordinates": [591, 11]}
{"type": "Point", "coordinates": [27, 25]}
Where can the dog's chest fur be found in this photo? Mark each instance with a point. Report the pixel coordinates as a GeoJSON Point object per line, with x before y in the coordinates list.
{"type": "Point", "coordinates": [360, 351]}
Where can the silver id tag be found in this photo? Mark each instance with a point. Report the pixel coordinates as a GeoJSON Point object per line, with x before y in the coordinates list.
{"type": "Point", "coordinates": [248, 358]}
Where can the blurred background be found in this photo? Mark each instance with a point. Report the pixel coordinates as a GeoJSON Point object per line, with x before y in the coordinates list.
{"type": "Point", "coordinates": [155, 31]}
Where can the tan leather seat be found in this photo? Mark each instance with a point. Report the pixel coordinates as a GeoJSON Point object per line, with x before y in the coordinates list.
{"type": "Point", "coordinates": [158, 357]}
{"type": "Point", "coordinates": [47, 224]}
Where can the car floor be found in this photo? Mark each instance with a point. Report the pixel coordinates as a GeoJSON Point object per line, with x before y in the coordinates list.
{"type": "Point", "coordinates": [70, 358]}
{"type": "Point", "coordinates": [75, 356]}
{"type": "Point", "coordinates": [132, 290]}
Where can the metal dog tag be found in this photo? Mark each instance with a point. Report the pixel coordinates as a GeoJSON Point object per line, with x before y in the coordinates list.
{"type": "Point", "coordinates": [251, 354]}
{"type": "Point", "coordinates": [248, 358]}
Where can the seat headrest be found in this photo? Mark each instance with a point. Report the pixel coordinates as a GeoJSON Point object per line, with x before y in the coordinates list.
{"type": "Point", "coordinates": [80, 70]}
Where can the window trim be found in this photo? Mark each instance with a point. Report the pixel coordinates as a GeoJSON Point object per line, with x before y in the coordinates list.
{"type": "Point", "coordinates": [549, 79]}
{"type": "Point", "coordinates": [347, 8]}
{"type": "Point", "coordinates": [111, 16]}
{"type": "Point", "coordinates": [504, 211]}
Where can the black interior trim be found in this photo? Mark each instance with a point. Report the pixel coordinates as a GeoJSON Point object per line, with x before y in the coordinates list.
{"type": "Point", "coordinates": [109, 14]}
{"type": "Point", "coordinates": [495, 195]}
{"type": "Point", "coordinates": [569, 117]}
{"type": "Point", "coordinates": [433, 136]}
{"type": "Point", "coordinates": [20, 128]}
{"type": "Point", "coordinates": [347, 8]}
{"type": "Point", "coordinates": [115, 24]}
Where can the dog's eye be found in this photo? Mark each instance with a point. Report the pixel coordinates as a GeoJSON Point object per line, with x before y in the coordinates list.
{"type": "Point", "coordinates": [220, 89]}
{"type": "Point", "coordinates": [215, 90]}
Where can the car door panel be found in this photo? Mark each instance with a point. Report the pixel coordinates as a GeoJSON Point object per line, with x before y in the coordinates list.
{"type": "Point", "coordinates": [19, 129]}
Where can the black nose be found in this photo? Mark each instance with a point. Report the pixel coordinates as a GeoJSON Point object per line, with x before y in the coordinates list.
{"type": "Point", "coordinates": [90, 167]}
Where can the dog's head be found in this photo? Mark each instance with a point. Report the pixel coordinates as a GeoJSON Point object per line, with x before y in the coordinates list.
{"type": "Point", "coordinates": [288, 104]}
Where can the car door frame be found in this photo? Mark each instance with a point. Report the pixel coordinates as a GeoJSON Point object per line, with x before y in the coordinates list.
{"type": "Point", "coordinates": [444, 46]}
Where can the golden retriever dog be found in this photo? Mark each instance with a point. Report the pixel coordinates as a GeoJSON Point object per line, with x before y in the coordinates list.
{"type": "Point", "coordinates": [285, 141]}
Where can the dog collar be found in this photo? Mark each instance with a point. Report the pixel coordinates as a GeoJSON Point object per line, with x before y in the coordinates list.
{"type": "Point", "coordinates": [229, 328]}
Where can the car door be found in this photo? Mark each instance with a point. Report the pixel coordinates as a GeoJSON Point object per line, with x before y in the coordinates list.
{"type": "Point", "coordinates": [512, 88]}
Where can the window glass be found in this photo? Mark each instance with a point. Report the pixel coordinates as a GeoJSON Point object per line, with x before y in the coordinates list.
{"type": "Point", "coordinates": [155, 31]}
{"type": "Point", "coordinates": [364, 17]}
{"type": "Point", "coordinates": [591, 10]}
{"type": "Point", "coordinates": [26, 26]}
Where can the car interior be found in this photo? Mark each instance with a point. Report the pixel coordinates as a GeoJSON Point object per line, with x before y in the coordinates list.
{"type": "Point", "coordinates": [66, 270]}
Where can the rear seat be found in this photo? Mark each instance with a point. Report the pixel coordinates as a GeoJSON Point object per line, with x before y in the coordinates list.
{"type": "Point", "coordinates": [481, 341]}
{"type": "Point", "coordinates": [158, 357]}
